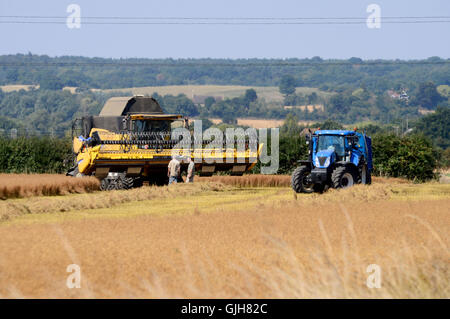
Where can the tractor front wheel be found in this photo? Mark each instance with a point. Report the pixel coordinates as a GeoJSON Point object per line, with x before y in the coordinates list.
{"type": "Point", "coordinates": [343, 177]}
{"type": "Point", "coordinates": [300, 180]}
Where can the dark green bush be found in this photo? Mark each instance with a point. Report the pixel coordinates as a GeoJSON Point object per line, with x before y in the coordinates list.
{"type": "Point", "coordinates": [34, 155]}
{"type": "Point", "coordinates": [412, 157]}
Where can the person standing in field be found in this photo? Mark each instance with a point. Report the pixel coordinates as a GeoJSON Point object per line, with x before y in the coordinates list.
{"type": "Point", "coordinates": [173, 170]}
{"type": "Point", "coordinates": [190, 170]}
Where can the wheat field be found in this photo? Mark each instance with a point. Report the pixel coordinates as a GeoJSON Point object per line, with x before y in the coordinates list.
{"type": "Point", "coordinates": [248, 237]}
{"type": "Point", "coordinates": [27, 185]}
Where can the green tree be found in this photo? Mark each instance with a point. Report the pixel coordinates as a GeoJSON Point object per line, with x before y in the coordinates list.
{"type": "Point", "coordinates": [312, 98]}
{"type": "Point", "coordinates": [250, 96]}
{"type": "Point", "coordinates": [34, 155]}
{"type": "Point", "coordinates": [411, 157]}
{"type": "Point", "coordinates": [229, 118]}
{"type": "Point", "coordinates": [427, 95]}
{"type": "Point", "coordinates": [290, 126]}
{"type": "Point", "coordinates": [209, 101]}
{"type": "Point", "coordinates": [292, 149]}
{"type": "Point", "coordinates": [436, 126]}
{"type": "Point", "coordinates": [338, 105]}
{"type": "Point", "coordinates": [287, 85]}
{"type": "Point", "coordinates": [329, 125]}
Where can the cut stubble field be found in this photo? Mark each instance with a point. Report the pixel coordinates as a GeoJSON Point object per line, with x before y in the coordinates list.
{"type": "Point", "coordinates": [229, 237]}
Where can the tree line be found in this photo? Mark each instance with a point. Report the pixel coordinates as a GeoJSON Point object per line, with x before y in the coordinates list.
{"type": "Point", "coordinates": [349, 90]}
{"type": "Point", "coordinates": [103, 73]}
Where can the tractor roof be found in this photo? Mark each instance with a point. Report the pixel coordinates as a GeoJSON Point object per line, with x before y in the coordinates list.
{"type": "Point", "coordinates": [335, 132]}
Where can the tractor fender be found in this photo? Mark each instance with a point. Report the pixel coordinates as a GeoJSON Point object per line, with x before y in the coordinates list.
{"type": "Point", "coordinates": [305, 163]}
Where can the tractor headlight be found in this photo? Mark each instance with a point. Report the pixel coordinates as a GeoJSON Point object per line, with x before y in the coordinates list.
{"type": "Point", "coordinates": [327, 162]}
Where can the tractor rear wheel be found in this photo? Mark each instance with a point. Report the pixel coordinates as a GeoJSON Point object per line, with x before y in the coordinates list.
{"type": "Point", "coordinates": [299, 180]}
{"type": "Point", "coordinates": [343, 177]}
{"type": "Point", "coordinates": [364, 176]}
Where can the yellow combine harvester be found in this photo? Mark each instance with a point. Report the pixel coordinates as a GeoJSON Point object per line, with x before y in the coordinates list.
{"type": "Point", "coordinates": [131, 142]}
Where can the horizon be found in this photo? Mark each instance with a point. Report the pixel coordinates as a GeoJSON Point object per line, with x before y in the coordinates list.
{"type": "Point", "coordinates": [217, 58]}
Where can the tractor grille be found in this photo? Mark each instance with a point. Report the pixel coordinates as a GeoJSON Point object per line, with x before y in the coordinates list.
{"type": "Point", "coordinates": [322, 160]}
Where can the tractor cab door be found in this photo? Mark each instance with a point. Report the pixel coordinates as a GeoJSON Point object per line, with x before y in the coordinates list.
{"type": "Point", "coordinates": [363, 146]}
{"type": "Point", "coordinates": [368, 141]}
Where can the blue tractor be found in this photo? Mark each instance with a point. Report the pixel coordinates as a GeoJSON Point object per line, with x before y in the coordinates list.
{"type": "Point", "coordinates": [337, 159]}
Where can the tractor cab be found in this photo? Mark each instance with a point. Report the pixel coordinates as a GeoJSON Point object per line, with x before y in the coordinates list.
{"type": "Point", "coordinates": [330, 146]}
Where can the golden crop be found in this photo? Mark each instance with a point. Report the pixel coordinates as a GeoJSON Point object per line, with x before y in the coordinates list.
{"type": "Point", "coordinates": [208, 240]}
{"type": "Point", "coordinates": [26, 185]}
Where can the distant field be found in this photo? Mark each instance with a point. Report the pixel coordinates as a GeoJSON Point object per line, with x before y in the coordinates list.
{"type": "Point", "coordinates": [310, 108]}
{"type": "Point", "coordinates": [425, 111]}
{"type": "Point", "coordinates": [259, 123]}
{"type": "Point", "coordinates": [444, 90]}
{"type": "Point", "coordinates": [71, 89]}
{"type": "Point", "coordinates": [270, 94]}
{"type": "Point", "coordinates": [229, 237]}
{"type": "Point", "coordinates": [17, 87]}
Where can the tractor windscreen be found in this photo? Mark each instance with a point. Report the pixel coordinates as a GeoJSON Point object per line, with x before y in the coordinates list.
{"type": "Point", "coordinates": [332, 142]}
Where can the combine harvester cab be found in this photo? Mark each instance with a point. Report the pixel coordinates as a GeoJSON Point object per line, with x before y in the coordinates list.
{"type": "Point", "coordinates": [130, 143]}
{"type": "Point", "coordinates": [337, 159]}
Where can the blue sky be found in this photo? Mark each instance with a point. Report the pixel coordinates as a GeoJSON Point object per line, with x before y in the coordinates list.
{"type": "Point", "coordinates": [403, 41]}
